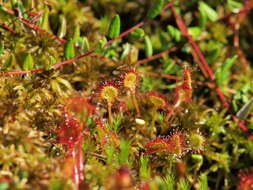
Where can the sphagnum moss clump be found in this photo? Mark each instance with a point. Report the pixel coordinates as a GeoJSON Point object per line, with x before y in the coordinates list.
{"type": "Point", "coordinates": [81, 107]}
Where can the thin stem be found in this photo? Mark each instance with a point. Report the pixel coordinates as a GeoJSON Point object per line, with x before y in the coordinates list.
{"type": "Point", "coordinates": [7, 27]}
{"type": "Point", "coordinates": [135, 102]}
{"type": "Point", "coordinates": [110, 112]}
{"type": "Point", "coordinates": [195, 49]}
{"type": "Point", "coordinates": [151, 58]}
{"type": "Point", "coordinates": [154, 116]}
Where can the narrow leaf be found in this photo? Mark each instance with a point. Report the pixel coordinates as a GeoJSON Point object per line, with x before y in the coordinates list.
{"type": "Point", "coordinates": [76, 35]}
{"type": "Point", "coordinates": [10, 61]}
{"type": "Point", "coordinates": [63, 27]}
{"type": "Point", "coordinates": [28, 62]}
{"type": "Point", "coordinates": [208, 11]}
{"type": "Point", "coordinates": [69, 51]}
{"type": "Point", "coordinates": [83, 43]}
{"type": "Point", "coordinates": [174, 33]}
{"type": "Point", "coordinates": [148, 46]}
{"type": "Point", "coordinates": [223, 72]}
{"type": "Point", "coordinates": [155, 9]}
{"type": "Point", "coordinates": [114, 29]}
{"type": "Point", "coordinates": [124, 152]}
{"type": "Point", "coordinates": [1, 48]}
{"type": "Point", "coordinates": [138, 34]}
{"type": "Point", "coordinates": [203, 182]}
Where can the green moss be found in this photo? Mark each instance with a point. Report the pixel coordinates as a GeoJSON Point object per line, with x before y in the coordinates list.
{"type": "Point", "coordinates": [32, 105]}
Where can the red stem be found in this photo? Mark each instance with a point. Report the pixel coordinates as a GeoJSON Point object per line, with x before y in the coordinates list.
{"type": "Point", "coordinates": [151, 58]}
{"type": "Point", "coordinates": [202, 64]}
{"type": "Point", "coordinates": [7, 27]}
{"type": "Point", "coordinates": [37, 28]}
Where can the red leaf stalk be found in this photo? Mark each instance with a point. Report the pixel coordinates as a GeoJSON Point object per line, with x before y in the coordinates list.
{"type": "Point", "coordinates": [70, 135]}
{"type": "Point", "coordinates": [154, 57]}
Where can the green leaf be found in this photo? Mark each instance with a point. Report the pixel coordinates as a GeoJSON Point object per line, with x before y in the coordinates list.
{"type": "Point", "coordinates": [234, 6]}
{"type": "Point", "coordinates": [174, 33]}
{"type": "Point", "coordinates": [9, 62]}
{"type": "Point", "coordinates": [148, 46]}
{"type": "Point", "coordinates": [83, 43]}
{"type": "Point", "coordinates": [137, 34]}
{"type": "Point", "coordinates": [124, 152]}
{"type": "Point", "coordinates": [56, 185]}
{"type": "Point", "coordinates": [194, 32]}
{"type": "Point", "coordinates": [69, 50]}
{"type": "Point", "coordinates": [63, 27]}
{"type": "Point", "coordinates": [4, 186]}
{"type": "Point", "coordinates": [184, 185]}
{"type": "Point", "coordinates": [28, 62]}
{"type": "Point", "coordinates": [144, 168]}
{"type": "Point", "coordinates": [222, 72]}
{"type": "Point", "coordinates": [1, 48]}
{"type": "Point", "coordinates": [109, 150]}
{"type": "Point", "coordinates": [245, 110]}
{"type": "Point", "coordinates": [170, 182]}
{"type": "Point", "coordinates": [50, 62]}
{"type": "Point", "coordinates": [114, 29]}
{"type": "Point", "coordinates": [210, 13]}
{"type": "Point", "coordinates": [155, 9]}
{"type": "Point", "coordinates": [203, 182]}
{"type": "Point", "coordinates": [100, 46]}
{"type": "Point", "coordinates": [76, 35]}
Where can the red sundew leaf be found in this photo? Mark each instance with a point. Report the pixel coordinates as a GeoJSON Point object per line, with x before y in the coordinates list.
{"type": "Point", "coordinates": [156, 145]}
{"type": "Point", "coordinates": [69, 131]}
{"type": "Point", "coordinates": [175, 145]}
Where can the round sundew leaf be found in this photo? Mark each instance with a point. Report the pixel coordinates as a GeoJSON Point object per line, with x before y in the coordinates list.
{"type": "Point", "coordinates": [130, 80]}
{"type": "Point", "coordinates": [109, 93]}
{"type": "Point", "coordinates": [196, 141]}
{"type": "Point", "coordinates": [157, 101]}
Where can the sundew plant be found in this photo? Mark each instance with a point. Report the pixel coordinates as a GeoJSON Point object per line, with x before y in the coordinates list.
{"type": "Point", "coordinates": [126, 95]}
